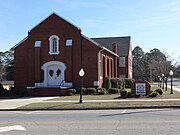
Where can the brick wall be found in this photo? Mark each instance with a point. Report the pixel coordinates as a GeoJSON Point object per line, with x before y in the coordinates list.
{"type": "Point", "coordinates": [82, 54]}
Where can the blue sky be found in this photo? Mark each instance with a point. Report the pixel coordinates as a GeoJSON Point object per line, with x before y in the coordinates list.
{"type": "Point", "coordinates": [150, 23]}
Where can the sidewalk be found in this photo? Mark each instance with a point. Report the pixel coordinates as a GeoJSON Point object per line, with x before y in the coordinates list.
{"type": "Point", "coordinates": [6, 104]}
{"type": "Point", "coordinates": [174, 88]}
{"type": "Point", "coordinates": [12, 104]}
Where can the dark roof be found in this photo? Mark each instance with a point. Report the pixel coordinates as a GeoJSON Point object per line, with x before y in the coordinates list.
{"type": "Point", "coordinates": [123, 44]}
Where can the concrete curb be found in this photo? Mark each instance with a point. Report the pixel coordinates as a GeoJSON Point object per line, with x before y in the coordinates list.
{"type": "Point", "coordinates": [100, 108]}
{"type": "Point", "coordinates": [112, 108]}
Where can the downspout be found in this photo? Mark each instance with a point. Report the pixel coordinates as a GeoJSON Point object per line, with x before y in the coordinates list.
{"type": "Point", "coordinates": [99, 66]}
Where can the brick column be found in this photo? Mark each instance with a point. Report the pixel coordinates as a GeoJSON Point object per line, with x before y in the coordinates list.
{"type": "Point", "coordinates": [68, 73]}
{"type": "Point", "coordinates": [37, 61]}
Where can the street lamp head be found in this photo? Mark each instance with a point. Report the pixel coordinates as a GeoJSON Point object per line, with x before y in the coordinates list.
{"type": "Point", "coordinates": [171, 73]}
{"type": "Point", "coordinates": [81, 73]}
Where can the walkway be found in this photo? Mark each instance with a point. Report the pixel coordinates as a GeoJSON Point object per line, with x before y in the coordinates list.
{"type": "Point", "coordinates": [15, 103]}
{"type": "Point", "coordinates": [6, 104]}
{"type": "Point", "coordinates": [174, 88]}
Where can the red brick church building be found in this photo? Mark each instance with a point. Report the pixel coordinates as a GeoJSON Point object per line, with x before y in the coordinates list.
{"type": "Point", "coordinates": [51, 56]}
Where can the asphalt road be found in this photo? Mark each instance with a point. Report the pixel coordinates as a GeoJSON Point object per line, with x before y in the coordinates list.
{"type": "Point", "coordinates": [91, 122]}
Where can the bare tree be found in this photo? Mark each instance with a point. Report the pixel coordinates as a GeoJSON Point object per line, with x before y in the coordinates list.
{"type": "Point", "coordinates": [2, 73]}
{"type": "Point", "coordinates": [2, 68]}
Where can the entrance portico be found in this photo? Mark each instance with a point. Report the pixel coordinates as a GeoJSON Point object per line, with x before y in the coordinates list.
{"type": "Point", "coordinates": [54, 73]}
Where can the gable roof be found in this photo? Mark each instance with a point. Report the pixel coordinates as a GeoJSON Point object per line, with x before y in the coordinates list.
{"type": "Point", "coordinates": [123, 44]}
{"type": "Point", "coordinates": [97, 44]}
{"type": "Point", "coordinates": [104, 43]}
{"type": "Point", "coordinates": [20, 42]}
{"type": "Point", "coordinates": [57, 16]}
{"type": "Point", "coordinates": [42, 22]}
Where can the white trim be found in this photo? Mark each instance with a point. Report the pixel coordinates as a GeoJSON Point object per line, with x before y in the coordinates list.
{"type": "Point", "coordinates": [20, 42]}
{"type": "Point", "coordinates": [97, 44]}
{"type": "Point", "coordinates": [59, 17]}
{"type": "Point", "coordinates": [42, 22]}
{"type": "Point", "coordinates": [51, 45]}
{"type": "Point", "coordinates": [110, 51]}
{"type": "Point", "coordinates": [101, 77]}
{"type": "Point", "coordinates": [45, 68]}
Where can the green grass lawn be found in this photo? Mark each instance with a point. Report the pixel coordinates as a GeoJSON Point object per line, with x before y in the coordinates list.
{"type": "Point", "coordinates": [105, 105]}
{"type": "Point", "coordinates": [99, 105]}
{"type": "Point", "coordinates": [166, 95]}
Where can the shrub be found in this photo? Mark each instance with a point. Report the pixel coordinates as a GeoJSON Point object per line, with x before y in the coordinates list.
{"type": "Point", "coordinates": [71, 92]}
{"type": "Point", "coordinates": [79, 90]}
{"type": "Point", "coordinates": [159, 91]}
{"type": "Point", "coordinates": [101, 91]}
{"type": "Point", "coordinates": [1, 87]}
{"type": "Point", "coordinates": [4, 92]}
{"type": "Point", "coordinates": [128, 83]}
{"type": "Point", "coordinates": [129, 95]}
{"type": "Point", "coordinates": [123, 93]}
{"type": "Point", "coordinates": [114, 82]}
{"type": "Point", "coordinates": [89, 91]}
{"type": "Point", "coordinates": [113, 90]}
{"type": "Point", "coordinates": [107, 83]}
{"type": "Point", "coordinates": [117, 83]}
{"type": "Point", "coordinates": [153, 94]}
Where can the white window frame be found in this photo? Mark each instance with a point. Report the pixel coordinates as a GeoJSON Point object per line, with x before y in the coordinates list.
{"type": "Point", "coordinates": [37, 44]}
{"type": "Point", "coordinates": [122, 61]}
{"type": "Point", "coordinates": [51, 52]}
{"type": "Point", "coordinates": [69, 42]}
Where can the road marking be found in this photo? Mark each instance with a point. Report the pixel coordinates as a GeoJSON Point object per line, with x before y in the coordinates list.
{"type": "Point", "coordinates": [124, 111]}
{"type": "Point", "coordinates": [25, 112]}
{"type": "Point", "coordinates": [93, 122]}
{"type": "Point", "coordinates": [10, 128]}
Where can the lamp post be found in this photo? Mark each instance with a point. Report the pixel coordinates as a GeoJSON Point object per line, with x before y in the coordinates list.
{"type": "Point", "coordinates": [159, 78]}
{"type": "Point", "coordinates": [171, 75]}
{"type": "Point", "coordinates": [81, 74]}
{"type": "Point", "coordinates": [165, 78]}
{"type": "Point", "coordinates": [163, 81]}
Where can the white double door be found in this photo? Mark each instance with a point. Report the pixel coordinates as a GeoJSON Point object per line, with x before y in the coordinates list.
{"type": "Point", "coordinates": [55, 75]}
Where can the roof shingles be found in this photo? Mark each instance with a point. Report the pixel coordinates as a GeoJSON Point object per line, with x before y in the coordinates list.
{"type": "Point", "coordinates": [123, 44]}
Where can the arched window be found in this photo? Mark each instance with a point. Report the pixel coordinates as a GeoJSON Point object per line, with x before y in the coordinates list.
{"type": "Point", "coordinates": [54, 45]}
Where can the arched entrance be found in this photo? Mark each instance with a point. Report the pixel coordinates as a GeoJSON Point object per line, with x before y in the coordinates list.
{"type": "Point", "coordinates": [53, 73]}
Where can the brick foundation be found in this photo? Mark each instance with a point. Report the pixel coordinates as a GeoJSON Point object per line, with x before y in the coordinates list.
{"type": "Point", "coordinates": [47, 92]}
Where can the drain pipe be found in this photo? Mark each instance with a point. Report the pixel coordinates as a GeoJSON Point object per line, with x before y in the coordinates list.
{"type": "Point", "coordinates": [99, 66]}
